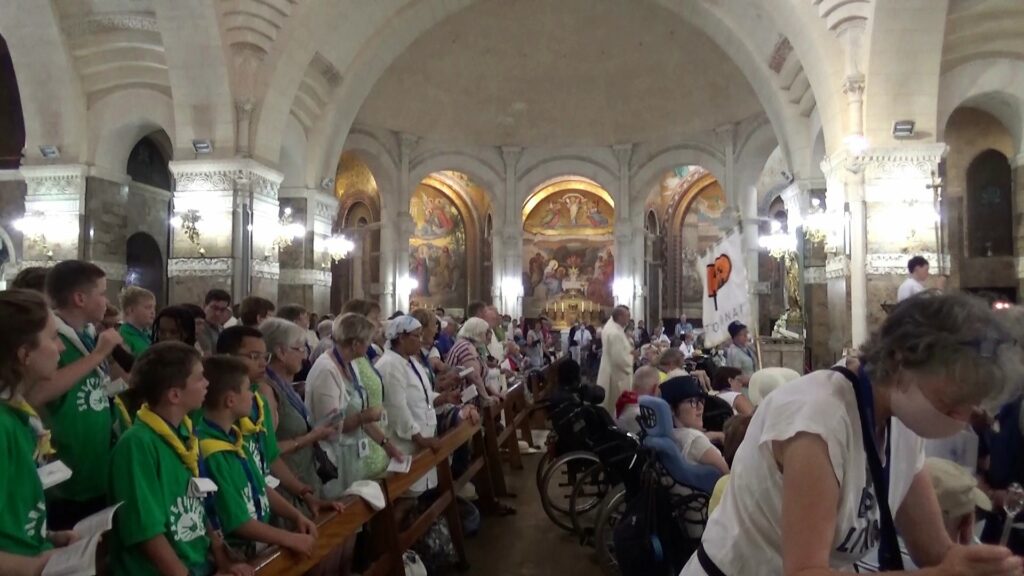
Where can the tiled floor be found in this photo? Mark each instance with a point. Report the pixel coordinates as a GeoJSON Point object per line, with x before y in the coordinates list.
{"type": "Point", "coordinates": [526, 543]}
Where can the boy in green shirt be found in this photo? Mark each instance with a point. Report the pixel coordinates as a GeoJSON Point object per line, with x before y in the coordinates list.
{"type": "Point", "coordinates": [162, 525]}
{"type": "Point", "coordinates": [139, 306]}
{"type": "Point", "coordinates": [243, 502]}
{"type": "Point", "coordinates": [75, 399]}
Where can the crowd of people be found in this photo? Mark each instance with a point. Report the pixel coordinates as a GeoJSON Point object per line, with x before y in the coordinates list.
{"type": "Point", "coordinates": [219, 430]}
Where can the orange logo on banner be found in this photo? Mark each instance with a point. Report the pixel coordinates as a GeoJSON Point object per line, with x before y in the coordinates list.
{"type": "Point", "coordinates": [718, 275]}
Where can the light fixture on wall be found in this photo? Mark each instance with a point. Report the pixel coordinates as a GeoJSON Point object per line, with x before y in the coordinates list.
{"type": "Point", "coordinates": [33, 226]}
{"type": "Point", "coordinates": [902, 129]}
{"type": "Point", "coordinates": [202, 146]}
{"type": "Point", "coordinates": [188, 223]}
{"type": "Point", "coordinates": [338, 247]}
{"type": "Point", "coordinates": [778, 243]}
{"type": "Point", "coordinates": [49, 151]}
{"type": "Point", "coordinates": [623, 290]}
{"type": "Point", "coordinates": [406, 285]}
{"type": "Point", "coordinates": [286, 234]}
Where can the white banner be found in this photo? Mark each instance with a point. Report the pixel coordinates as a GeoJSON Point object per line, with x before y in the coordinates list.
{"type": "Point", "coordinates": [726, 294]}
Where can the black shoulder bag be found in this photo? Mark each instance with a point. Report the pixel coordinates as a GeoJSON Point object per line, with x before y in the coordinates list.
{"type": "Point", "coordinates": [889, 556]}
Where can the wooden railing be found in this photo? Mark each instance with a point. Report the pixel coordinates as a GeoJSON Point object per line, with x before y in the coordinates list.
{"type": "Point", "coordinates": [389, 543]}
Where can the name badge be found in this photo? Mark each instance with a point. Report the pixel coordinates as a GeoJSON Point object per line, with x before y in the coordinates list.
{"type": "Point", "coordinates": [469, 394]}
{"type": "Point", "coordinates": [114, 387]}
{"type": "Point", "coordinates": [384, 418]}
{"type": "Point", "coordinates": [272, 482]}
{"type": "Point", "coordinates": [364, 447]}
{"type": "Point", "coordinates": [53, 473]}
{"type": "Point", "coordinates": [200, 487]}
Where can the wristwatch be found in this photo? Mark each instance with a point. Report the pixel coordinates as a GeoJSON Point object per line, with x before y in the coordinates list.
{"type": "Point", "coordinates": [385, 442]}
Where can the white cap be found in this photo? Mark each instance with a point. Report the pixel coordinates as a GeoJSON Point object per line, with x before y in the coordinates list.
{"type": "Point", "coordinates": [369, 491]}
{"type": "Point", "coordinates": [401, 325]}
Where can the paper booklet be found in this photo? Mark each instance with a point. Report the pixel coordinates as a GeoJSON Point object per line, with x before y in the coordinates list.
{"type": "Point", "coordinates": [401, 466]}
{"type": "Point", "coordinates": [79, 559]}
{"type": "Point", "coordinates": [53, 473]}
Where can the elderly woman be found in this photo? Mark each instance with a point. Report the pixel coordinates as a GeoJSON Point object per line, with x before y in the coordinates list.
{"type": "Point", "coordinates": [336, 389]}
{"type": "Point", "coordinates": [809, 493]}
{"type": "Point", "coordinates": [465, 354]}
{"type": "Point", "coordinates": [739, 354]}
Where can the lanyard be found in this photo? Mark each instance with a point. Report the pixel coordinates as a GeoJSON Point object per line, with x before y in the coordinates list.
{"type": "Point", "coordinates": [350, 372]}
{"type": "Point", "coordinates": [289, 393]}
{"type": "Point", "coordinates": [426, 364]}
{"type": "Point", "coordinates": [239, 451]}
{"type": "Point", "coordinates": [412, 366]}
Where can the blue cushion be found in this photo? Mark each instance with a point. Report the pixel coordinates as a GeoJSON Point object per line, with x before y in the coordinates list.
{"type": "Point", "coordinates": [656, 420]}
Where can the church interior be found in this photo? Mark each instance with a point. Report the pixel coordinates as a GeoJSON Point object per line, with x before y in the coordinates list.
{"type": "Point", "coordinates": [554, 159]}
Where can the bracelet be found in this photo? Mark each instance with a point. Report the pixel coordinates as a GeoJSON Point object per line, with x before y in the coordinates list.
{"type": "Point", "coordinates": [385, 441]}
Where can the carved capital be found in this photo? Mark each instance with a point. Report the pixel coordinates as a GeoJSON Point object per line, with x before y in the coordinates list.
{"type": "Point", "coordinates": [623, 153]}
{"type": "Point", "coordinates": [407, 144]}
{"type": "Point", "coordinates": [837, 267]}
{"type": "Point", "coordinates": [853, 86]}
{"type": "Point", "coordinates": [304, 277]}
{"type": "Point", "coordinates": [896, 263]}
{"type": "Point", "coordinates": [511, 155]}
{"type": "Point", "coordinates": [268, 269]}
{"type": "Point", "coordinates": [198, 267]}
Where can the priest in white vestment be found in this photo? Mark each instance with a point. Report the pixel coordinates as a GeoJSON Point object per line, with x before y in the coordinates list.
{"type": "Point", "coordinates": [616, 372]}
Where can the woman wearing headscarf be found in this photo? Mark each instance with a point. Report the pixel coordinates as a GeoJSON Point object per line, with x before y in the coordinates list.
{"type": "Point", "coordinates": [809, 493]}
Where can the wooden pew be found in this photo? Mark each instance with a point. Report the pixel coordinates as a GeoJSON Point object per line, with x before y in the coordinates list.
{"type": "Point", "coordinates": [388, 542]}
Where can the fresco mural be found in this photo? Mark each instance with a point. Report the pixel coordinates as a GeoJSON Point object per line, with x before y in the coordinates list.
{"type": "Point", "coordinates": [437, 249]}
{"type": "Point", "coordinates": [568, 262]}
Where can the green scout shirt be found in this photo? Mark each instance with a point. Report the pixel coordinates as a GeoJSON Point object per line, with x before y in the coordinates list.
{"type": "Point", "coordinates": [152, 482]}
{"type": "Point", "coordinates": [81, 423]}
{"type": "Point", "coordinates": [137, 341]}
{"type": "Point", "coordinates": [235, 501]}
{"type": "Point", "coordinates": [23, 509]}
{"type": "Point", "coordinates": [262, 445]}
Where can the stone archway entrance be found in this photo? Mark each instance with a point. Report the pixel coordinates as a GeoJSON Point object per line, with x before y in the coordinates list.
{"type": "Point", "coordinates": [145, 265]}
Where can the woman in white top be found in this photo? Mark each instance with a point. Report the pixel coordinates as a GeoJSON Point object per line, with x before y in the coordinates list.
{"type": "Point", "coordinates": [800, 501]}
{"type": "Point", "coordinates": [728, 385]}
{"type": "Point", "coordinates": [686, 399]}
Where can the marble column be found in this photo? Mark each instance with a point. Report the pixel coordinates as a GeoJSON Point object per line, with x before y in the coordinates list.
{"type": "Point", "coordinates": [508, 241]}
{"type": "Point", "coordinates": [227, 196]}
{"type": "Point", "coordinates": [305, 266]}
{"type": "Point", "coordinates": [1018, 231]}
{"type": "Point", "coordinates": [626, 281]}
{"type": "Point", "coordinates": [401, 226]}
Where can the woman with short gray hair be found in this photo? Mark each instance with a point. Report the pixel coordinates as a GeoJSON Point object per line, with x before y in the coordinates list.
{"type": "Point", "coordinates": [809, 493]}
{"type": "Point", "coordinates": [337, 388]}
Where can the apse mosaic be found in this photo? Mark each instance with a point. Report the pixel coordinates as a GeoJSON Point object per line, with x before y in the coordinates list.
{"type": "Point", "coordinates": [568, 261]}
{"type": "Point", "coordinates": [437, 249]}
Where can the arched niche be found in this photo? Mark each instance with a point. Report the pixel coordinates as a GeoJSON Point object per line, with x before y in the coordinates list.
{"type": "Point", "coordinates": [568, 251]}
{"type": "Point", "coordinates": [448, 244]}
{"type": "Point", "coordinates": [149, 161]}
{"type": "Point", "coordinates": [358, 218]}
{"type": "Point", "coordinates": [989, 205]}
{"type": "Point", "coordinates": [12, 121]}
{"type": "Point", "coordinates": [145, 265]}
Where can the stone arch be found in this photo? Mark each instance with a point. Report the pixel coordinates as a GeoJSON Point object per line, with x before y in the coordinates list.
{"type": "Point", "coordinates": [145, 265]}
{"type": "Point", "coordinates": [479, 170]}
{"type": "Point", "coordinates": [12, 121]}
{"type": "Point", "coordinates": [148, 162]}
{"type": "Point", "coordinates": [119, 121]}
{"type": "Point", "coordinates": [532, 177]}
{"type": "Point", "coordinates": [647, 175]}
{"type": "Point", "coordinates": [995, 85]}
{"type": "Point", "coordinates": [382, 165]}
{"type": "Point", "coordinates": [989, 205]}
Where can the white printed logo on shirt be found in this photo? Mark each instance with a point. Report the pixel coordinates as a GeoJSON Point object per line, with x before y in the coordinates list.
{"type": "Point", "coordinates": [92, 396]}
{"type": "Point", "coordinates": [188, 519]}
{"type": "Point", "coordinates": [253, 444]}
{"type": "Point", "coordinates": [251, 506]}
{"type": "Point", "coordinates": [35, 524]}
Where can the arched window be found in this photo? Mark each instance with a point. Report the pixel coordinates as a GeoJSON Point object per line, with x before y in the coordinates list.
{"type": "Point", "coordinates": [148, 165]}
{"type": "Point", "coordinates": [989, 206]}
{"type": "Point", "coordinates": [12, 123]}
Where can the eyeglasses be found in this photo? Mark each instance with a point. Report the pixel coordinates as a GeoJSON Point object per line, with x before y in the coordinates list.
{"type": "Point", "coordinates": [301, 349]}
{"type": "Point", "coordinates": [257, 356]}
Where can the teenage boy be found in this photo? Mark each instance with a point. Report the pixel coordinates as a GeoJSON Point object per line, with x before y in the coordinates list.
{"type": "Point", "coordinates": [216, 312]}
{"type": "Point", "coordinates": [76, 399]}
{"type": "Point", "coordinates": [246, 343]}
{"type": "Point", "coordinates": [139, 308]}
{"type": "Point", "coordinates": [243, 502]}
{"type": "Point", "coordinates": [161, 526]}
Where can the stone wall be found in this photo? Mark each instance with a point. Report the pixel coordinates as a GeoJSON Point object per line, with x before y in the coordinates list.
{"type": "Point", "coordinates": [106, 227]}
{"type": "Point", "coordinates": [12, 207]}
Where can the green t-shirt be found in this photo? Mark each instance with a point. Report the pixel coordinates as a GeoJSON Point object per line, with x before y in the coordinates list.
{"type": "Point", "coordinates": [263, 445]}
{"type": "Point", "coordinates": [137, 341]}
{"type": "Point", "coordinates": [235, 502]}
{"type": "Point", "coordinates": [152, 482]}
{"type": "Point", "coordinates": [82, 422]}
{"type": "Point", "coordinates": [23, 513]}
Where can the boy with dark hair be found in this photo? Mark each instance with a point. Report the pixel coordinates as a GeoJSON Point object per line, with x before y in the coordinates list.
{"type": "Point", "coordinates": [216, 312]}
{"type": "Point", "coordinates": [243, 501]}
{"type": "Point", "coordinates": [76, 398]}
{"type": "Point", "coordinates": [254, 310]}
{"type": "Point", "coordinates": [161, 526]}
{"type": "Point", "coordinates": [246, 343]}
{"type": "Point", "coordinates": [139, 309]}
{"type": "Point", "coordinates": [31, 278]}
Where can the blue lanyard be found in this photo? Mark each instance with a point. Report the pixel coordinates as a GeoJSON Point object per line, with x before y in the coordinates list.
{"type": "Point", "coordinates": [289, 393]}
{"type": "Point", "coordinates": [412, 366]}
{"type": "Point", "coordinates": [426, 364]}
{"type": "Point", "coordinates": [209, 504]}
{"type": "Point", "coordinates": [254, 488]}
{"type": "Point", "coordinates": [351, 375]}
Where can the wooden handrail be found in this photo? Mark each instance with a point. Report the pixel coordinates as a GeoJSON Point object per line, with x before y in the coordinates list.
{"type": "Point", "coordinates": [336, 528]}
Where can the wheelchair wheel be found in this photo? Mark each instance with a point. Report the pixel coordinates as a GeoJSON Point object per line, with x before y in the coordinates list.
{"type": "Point", "coordinates": [542, 467]}
{"type": "Point", "coordinates": [612, 508]}
{"type": "Point", "coordinates": [558, 483]}
{"type": "Point", "coordinates": [587, 495]}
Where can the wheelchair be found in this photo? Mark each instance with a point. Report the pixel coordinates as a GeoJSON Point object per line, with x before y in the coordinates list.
{"type": "Point", "coordinates": [659, 459]}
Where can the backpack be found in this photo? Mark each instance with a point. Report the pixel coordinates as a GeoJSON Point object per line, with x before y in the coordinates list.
{"type": "Point", "coordinates": [648, 539]}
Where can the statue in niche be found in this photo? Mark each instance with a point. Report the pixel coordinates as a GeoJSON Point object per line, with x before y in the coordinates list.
{"type": "Point", "coordinates": [794, 309]}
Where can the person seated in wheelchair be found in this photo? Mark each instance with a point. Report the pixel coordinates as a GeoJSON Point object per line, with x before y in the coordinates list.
{"type": "Point", "coordinates": [686, 398]}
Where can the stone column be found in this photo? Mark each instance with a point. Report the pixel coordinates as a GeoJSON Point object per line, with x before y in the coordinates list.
{"type": "Point", "coordinates": [305, 266]}
{"type": "Point", "coordinates": [508, 240]}
{"type": "Point", "coordinates": [625, 261]}
{"type": "Point", "coordinates": [1018, 231]}
{"type": "Point", "coordinates": [227, 196]}
{"type": "Point", "coordinates": [400, 229]}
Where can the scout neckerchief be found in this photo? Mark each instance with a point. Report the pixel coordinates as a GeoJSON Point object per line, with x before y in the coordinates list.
{"type": "Point", "coordinates": [145, 334]}
{"type": "Point", "coordinates": [189, 456]}
{"type": "Point", "coordinates": [122, 411]}
{"type": "Point", "coordinates": [254, 424]}
{"type": "Point", "coordinates": [43, 447]}
{"type": "Point", "coordinates": [211, 446]}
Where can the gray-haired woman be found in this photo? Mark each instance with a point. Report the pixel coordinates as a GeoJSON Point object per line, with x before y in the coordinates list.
{"type": "Point", "coordinates": [801, 500]}
{"type": "Point", "coordinates": [296, 435]}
